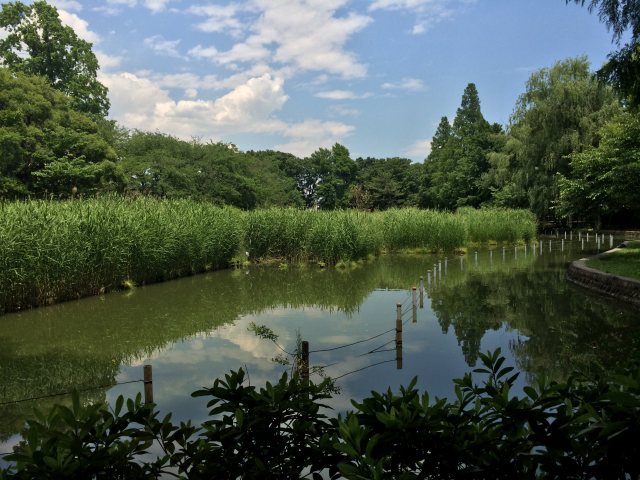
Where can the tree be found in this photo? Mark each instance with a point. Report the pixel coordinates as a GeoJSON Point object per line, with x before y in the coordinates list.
{"type": "Point", "coordinates": [560, 112]}
{"type": "Point", "coordinates": [384, 183]}
{"type": "Point", "coordinates": [623, 66]}
{"type": "Point", "coordinates": [458, 157]}
{"type": "Point", "coordinates": [604, 180]}
{"type": "Point", "coordinates": [46, 146]}
{"type": "Point", "coordinates": [38, 44]}
{"type": "Point", "coordinates": [332, 172]}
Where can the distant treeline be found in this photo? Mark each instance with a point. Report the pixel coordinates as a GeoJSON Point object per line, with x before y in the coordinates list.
{"type": "Point", "coordinates": [570, 152]}
{"type": "Point", "coordinates": [52, 251]}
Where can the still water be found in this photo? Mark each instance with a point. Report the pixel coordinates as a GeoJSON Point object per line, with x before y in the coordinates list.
{"type": "Point", "coordinates": [195, 329]}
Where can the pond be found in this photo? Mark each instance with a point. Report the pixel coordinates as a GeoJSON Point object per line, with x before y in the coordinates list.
{"type": "Point", "coordinates": [195, 329]}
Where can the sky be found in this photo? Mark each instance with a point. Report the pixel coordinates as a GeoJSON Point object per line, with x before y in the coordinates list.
{"type": "Point", "coordinates": [295, 75]}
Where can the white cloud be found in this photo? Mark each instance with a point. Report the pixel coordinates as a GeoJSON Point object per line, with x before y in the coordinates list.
{"type": "Point", "coordinates": [337, 95]}
{"type": "Point", "coordinates": [154, 5]}
{"type": "Point", "coordinates": [106, 61]}
{"type": "Point", "coordinates": [80, 26]}
{"type": "Point", "coordinates": [162, 46]}
{"type": "Point", "coordinates": [344, 111]}
{"type": "Point", "coordinates": [220, 18]}
{"type": "Point", "coordinates": [304, 34]}
{"type": "Point", "coordinates": [427, 12]}
{"type": "Point", "coordinates": [419, 150]}
{"type": "Point", "coordinates": [407, 83]}
{"type": "Point", "coordinates": [310, 135]}
{"type": "Point", "coordinates": [138, 102]}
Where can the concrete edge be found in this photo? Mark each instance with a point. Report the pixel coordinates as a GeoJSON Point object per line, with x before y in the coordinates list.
{"type": "Point", "coordinates": [615, 286]}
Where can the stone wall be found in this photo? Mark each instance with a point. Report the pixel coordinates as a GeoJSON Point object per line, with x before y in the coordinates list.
{"type": "Point", "coordinates": [627, 289]}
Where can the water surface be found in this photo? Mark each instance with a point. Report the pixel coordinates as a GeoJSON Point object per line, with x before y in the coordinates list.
{"type": "Point", "coordinates": [195, 329]}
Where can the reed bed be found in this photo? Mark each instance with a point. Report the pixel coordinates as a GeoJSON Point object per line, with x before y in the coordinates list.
{"type": "Point", "coordinates": [505, 225]}
{"type": "Point", "coordinates": [303, 235]}
{"type": "Point", "coordinates": [56, 251]}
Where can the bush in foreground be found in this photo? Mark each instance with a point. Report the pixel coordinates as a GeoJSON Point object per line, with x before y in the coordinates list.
{"type": "Point", "coordinates": [578, 429]}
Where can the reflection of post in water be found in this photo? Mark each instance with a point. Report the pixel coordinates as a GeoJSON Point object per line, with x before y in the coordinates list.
{"type": "Point", "coordinates": [399, 337]}
{"type": "Point", "coordinates": [421, 292]}
{"type": "Point", "coordinates": [304, 368]}
{"type": "Point", "coordinates": [414, 304]}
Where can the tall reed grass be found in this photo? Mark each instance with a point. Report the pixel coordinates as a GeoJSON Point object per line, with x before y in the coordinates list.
{"type": "Point", "coordinates": [55, 251]}
{"type": "Point", "coordinates": [303, 235]}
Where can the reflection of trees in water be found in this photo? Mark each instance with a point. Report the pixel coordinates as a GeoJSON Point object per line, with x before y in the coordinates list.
{"type": "Point", "coordinates": [567, 330]}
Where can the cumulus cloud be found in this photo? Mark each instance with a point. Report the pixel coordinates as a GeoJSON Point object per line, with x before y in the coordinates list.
{"type": "Point", "coordinates": [139, 103]}
{"type": "Point", "coordinates": [305, 34]}
{"type": "Point", "coordinates": [106, 61]}
{"type": "Point", "coordinates": [407, 83]}
{"type": "Point", "coordinates": [80, 26]}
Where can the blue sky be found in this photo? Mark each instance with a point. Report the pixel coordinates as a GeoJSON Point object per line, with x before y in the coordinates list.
{"type": "Point", "coordinates": [295, 75]}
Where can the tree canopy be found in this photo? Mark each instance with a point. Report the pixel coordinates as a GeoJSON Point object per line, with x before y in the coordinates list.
{"type": "Point", "coordinates": [37, 43]}
{"type": "Point", "coordinates": [46, 145]}
{"type": "Point", "coordinates": [560, 112]}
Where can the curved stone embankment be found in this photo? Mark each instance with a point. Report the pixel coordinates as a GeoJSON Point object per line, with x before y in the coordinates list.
{"type": "Point", "coordinates": [623, 288]}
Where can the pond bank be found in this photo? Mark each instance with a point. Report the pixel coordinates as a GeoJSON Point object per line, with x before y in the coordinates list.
{"type": "Point", "coordinates": [608, 284]}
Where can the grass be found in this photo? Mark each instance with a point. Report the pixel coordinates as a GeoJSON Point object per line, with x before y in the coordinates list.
{"type": "Point", "coordinates": [55, 251]}
{"type": "Point", "coordinates": [624, 262]}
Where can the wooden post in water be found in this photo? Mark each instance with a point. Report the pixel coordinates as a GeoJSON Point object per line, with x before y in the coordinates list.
{"type": "Point", "coordinates": [399, 337]}
{"type": "Point", "coordinates": [148, 384]}
{"type": "Point", "coordinates": [414, 305]}
{"type": "Point", "coordinates": [421, 292]}
{"type": "Point", "coordinates": [304, 367]}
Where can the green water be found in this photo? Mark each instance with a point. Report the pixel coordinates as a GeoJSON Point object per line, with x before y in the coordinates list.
{"type": "Point", "coordinates": [195, 329]}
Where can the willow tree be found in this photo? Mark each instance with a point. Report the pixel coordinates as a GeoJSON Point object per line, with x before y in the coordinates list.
{"type": "Point", "coordinates": [560, 113]}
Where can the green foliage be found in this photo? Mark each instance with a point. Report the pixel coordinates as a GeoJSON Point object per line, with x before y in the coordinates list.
{"type": "Point", "coordinates": [458, 158]}
{"type": "Point", "coordinates": [88, 441]}
{"type": "Point", "coordinates": [430, 229]}
{"type": "Point", "coordinates": [582, 428]}
{"type": "Point", "coordinates": [384, 183]}
{"type": "Point", "coordinates": [48, 147]}
{"type": "Point", "coordinates": [55, 251]}
{"type": "Point", "coordinates": [164, 166]}
{"type": "Point", "coordinates": [38, 43]}
{"type": "Point", "coordinates": [560, 113]}
{"type": "Point", "coordinates": [603, 180]}
{"type": "Point", "coordinates": [499, 224]}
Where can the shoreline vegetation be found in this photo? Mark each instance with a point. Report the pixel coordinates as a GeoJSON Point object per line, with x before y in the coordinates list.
{"type": "Point", "coordinates": [53, 251]}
